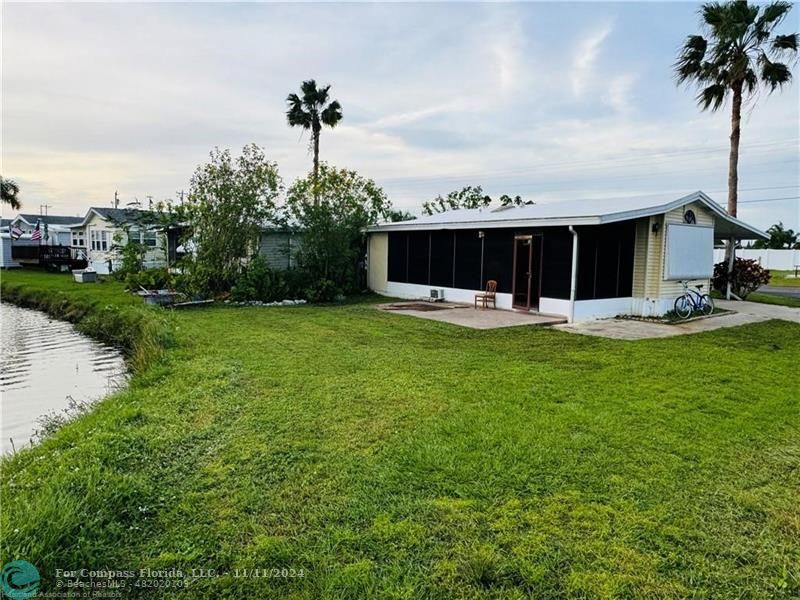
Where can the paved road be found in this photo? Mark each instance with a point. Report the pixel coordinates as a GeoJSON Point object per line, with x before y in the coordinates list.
{"type": "Point", "coordinates": [756, 309]}
{"type": "Point", "coordinates": [791, 292]}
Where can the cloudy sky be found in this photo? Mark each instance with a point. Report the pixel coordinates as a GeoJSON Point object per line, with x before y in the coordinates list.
{"type": "Point", "coordinates": [549, 100]}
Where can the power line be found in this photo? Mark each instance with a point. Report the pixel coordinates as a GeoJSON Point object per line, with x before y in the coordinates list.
{"type": "Point", "coordinates": [768, 200]}
{"type": "Point", "coordinates": [641, 158]}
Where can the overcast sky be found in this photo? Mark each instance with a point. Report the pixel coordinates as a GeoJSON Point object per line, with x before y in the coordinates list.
{"type": "Point", "coordinates": [549, 101]}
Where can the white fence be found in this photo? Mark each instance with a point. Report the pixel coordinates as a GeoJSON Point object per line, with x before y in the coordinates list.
{"type": "Point", "coordinates": [781, 260]}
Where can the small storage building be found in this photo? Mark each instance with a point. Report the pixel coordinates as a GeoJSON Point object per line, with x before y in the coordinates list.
{"type": "Point", "coordinates": [581, 259]}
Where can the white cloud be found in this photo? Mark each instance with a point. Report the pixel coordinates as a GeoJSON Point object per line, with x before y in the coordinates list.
{"type": "Point", "coordinates": [585, 58]}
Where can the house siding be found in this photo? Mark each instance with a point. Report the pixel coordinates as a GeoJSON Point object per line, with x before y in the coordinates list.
{"type": "Point", "coordinates": [279, 249]}
{"type": "Point", "coordinates": [673, 289]}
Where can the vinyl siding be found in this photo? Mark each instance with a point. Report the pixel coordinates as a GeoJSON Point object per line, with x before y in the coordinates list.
{"type": "Point", "coordinates": [640, 252]}
{"type": "Point", "coordinates": [279, 249]}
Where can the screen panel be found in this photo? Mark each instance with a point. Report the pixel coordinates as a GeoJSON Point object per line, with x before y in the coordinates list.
{"type": "Point", "coordinates": [442, 243]}
{"type": "Point", "coordinates": [398, 257]}
{"type": "Point", "coordinates": [498, 258]}
{"type": "Point", "coordinates": [418, 254]}
{"type": "Point", "coordinates": [468, 260]}
{"type": "Point", "coordinates": [556, 262]}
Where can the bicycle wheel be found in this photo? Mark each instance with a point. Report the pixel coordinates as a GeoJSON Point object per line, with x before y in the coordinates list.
{"type": "Point", "coordinates": [707, 304]}
{"type": "Point", "coordinates": [683, 306]}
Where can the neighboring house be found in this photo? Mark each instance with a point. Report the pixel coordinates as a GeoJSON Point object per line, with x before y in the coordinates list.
{"type": "Point", "coordinates": [279, 247]}
{"type": "Point", "coordinates": [55, 242]}
{"type": "Point", "coordinates": [580, 259]}
{"type": "Point", "coordinates": [103, 229]}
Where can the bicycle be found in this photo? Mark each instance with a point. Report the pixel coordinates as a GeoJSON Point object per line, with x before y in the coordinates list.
{"type": "Point", "coordinates": [692, 301]}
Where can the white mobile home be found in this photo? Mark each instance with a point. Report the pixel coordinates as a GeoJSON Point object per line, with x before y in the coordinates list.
{"type": "Point", "coordinates": [581, 259]}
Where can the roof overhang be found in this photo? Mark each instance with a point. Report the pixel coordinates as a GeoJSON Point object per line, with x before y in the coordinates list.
{"type": "Point", "coordinates": [725, 226]}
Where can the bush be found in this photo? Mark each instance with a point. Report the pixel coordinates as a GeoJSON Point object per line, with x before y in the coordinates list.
{"type": "Point", "coordinates": [259, 282]}
{"type": "Point", "coordinates": [747, 276]}
{"type": "Point", "coordinates": [151, 279]}
{"type": "Point", "coordinates": [323, 290]}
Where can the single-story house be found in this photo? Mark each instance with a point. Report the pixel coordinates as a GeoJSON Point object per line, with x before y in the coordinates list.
{"type": "Point", "coordinates": [580, 259]}
{"type": "Point", "coordinates": [56, 234]}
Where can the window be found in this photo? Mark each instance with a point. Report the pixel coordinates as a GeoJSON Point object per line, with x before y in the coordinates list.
{"type": "Point", "coordinates": [99, 240]}
{"type": "Point", "coordinates": [79, 238]}
{"type": "Point", "coordinates": [149, 238]}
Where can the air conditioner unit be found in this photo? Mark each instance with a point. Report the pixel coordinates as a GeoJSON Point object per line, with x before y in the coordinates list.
{"type": "Point", "coordinates": [437, 295]}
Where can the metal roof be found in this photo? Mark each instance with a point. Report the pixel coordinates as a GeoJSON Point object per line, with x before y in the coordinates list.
{"type": "Point", "coordinates": [31, 219]}
{"type": "Point", "coordinates": [575, 212]}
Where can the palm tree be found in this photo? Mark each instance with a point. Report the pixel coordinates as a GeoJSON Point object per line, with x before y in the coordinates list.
{"type": "Point", "coordinates": [9, 191]}
{"type": "Point", "coordinates": [741, 54]}
{"type": "Point", "coordinates": [311, 111]}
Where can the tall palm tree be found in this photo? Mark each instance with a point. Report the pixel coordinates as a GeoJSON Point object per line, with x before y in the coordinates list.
{"type": "Point", "coordinates": [740, 55]}
{"type": "Point", "coordinates": [311, 111]}
{"type": "Point", "coordinates": [9, 191]}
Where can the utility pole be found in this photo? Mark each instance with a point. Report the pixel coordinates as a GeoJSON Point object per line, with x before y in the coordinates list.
{"type": "Point", "coordinates": [116, 199]}
{"type": "Point", "coordinates": [43, 209]}
{"type": "Point", "coordinates": [149, 203]}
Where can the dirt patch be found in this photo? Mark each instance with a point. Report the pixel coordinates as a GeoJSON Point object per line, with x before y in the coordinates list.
{"type": "Point", "coordinates": [421, 306]}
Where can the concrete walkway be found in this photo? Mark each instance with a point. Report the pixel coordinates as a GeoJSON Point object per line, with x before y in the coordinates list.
{"type": "Point", "coordinates": [629, 329]}
{"type": "Point", "coordinates": [467, 316]}
{"type": "Point", "coordinates": [769, 311]}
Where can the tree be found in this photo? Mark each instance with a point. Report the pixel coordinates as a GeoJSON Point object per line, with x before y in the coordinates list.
{"type": "Point", "coordinates": [397, 215]}
{"type": "Point", "coordinates": [779, 238]}
{"type": "Point", "coordinates": [468, 197]}
{"type": "Point", "coordinates": [10, 193]}
{"type": "Point", "coordinates": [312, 111]}
{"type": "Point", "coordinates": [740, 54]}
{"type": "Point", "coordinates": [229, 202]}
{"type": "Point", "coordinates": [333, 245]}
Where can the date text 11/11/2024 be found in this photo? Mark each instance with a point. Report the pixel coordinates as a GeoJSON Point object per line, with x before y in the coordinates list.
{"type": "Point", "coordinates": [257, 572]}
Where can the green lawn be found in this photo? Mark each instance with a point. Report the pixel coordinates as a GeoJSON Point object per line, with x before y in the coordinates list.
{"type": "Point", "coordinates": [394, 457]}
{"type": "Point", "coordinates": [784, 279]}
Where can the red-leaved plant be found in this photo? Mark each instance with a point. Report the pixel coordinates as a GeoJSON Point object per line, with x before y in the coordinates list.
{"type": "Point", "coordinates": [747, 276]}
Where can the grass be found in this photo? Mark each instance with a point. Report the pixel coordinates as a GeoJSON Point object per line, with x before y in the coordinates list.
{"type": "Point", "coordinates": [773, 299]}
{"type": "Point", "coordinates": [394, 457]}
{"type": "Point", "coordinates": [783, 279]}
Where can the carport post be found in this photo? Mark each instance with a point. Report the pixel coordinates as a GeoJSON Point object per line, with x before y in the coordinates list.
{"type": "Point", "coordinates": [573, 284]}
{"type": "Point", "coordinates": [732, 243]}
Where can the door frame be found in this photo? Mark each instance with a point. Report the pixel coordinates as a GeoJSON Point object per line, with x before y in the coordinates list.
{"type": "Point", "coordinates": [528, 305]}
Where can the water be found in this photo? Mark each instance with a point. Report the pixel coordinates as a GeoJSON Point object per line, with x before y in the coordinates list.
{"type": "Point", "coordinates": [43, 363]}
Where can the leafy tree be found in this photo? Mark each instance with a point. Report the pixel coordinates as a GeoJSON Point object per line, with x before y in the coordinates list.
{"type": "Point", "coordinates": [779, 237]}
{"type": "Point", "coordinates": [468, 197]}
{"type": "Point", "coordinates": [333, 244]}
{"type": "Point", "coordinates": [311, 111]}
{"type": "Point", "coordinates": [10, 193]}
{"type": "Point", "coordinates": [230, 199]}
{"type": "Point", "coordinates": [396, 215]}
{"type": "Point", "coordinates": [739, 54]}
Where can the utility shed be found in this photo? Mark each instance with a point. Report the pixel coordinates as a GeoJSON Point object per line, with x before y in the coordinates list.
{"type": "Point", "coordinates": [582, 259]}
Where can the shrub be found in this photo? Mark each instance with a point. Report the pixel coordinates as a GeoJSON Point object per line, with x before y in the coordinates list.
{"type": "Point", "coordinates": [747, 276]}
{"type": "Point", "coordinates": [157, 278]}
{"type": "Point", "coordinates": [259, 282]}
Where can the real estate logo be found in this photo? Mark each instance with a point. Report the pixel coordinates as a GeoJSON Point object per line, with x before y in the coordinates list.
{"type": "Point", "coordinates": [19, 580]}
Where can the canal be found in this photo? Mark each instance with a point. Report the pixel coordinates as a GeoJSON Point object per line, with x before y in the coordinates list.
{"type": "Point", "coordinates": [46, 365]}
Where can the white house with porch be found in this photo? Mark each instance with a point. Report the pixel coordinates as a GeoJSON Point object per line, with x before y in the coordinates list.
{"type": "Point", "coordinates": [581, 259]}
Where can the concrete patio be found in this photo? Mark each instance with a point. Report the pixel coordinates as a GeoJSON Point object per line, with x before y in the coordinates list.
{"type": "Point", "coordinates": [468, 316]}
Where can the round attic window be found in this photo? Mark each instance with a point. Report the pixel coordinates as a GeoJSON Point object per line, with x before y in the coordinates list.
{"type": "Point", "coordinates": [688, 217]}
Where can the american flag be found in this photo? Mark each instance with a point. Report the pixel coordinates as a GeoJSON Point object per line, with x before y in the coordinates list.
{"type": "Point", "coordinates": [37, 233]}
{"type": "Point", "coordinates": [16, 232]}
